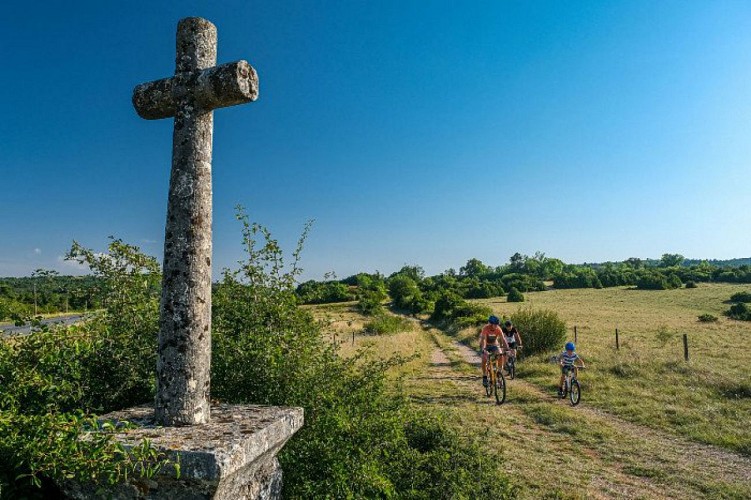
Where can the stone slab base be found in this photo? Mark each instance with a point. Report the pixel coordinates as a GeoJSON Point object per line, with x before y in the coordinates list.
{"type": "Point", "coordinates": [232, 457]}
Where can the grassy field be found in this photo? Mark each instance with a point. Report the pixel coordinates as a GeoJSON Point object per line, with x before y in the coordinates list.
{"type": "Point", "coordinates": [645, 414]}
{"type": "Point", "coordinates": [647, 381]}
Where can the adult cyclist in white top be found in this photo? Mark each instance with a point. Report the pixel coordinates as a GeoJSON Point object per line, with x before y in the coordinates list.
{"type": "Point", "coordinates": [513, 339]}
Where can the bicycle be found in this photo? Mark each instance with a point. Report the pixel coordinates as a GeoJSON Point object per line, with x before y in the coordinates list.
{"type": "Point", "coordinates": [571, 387]}
{"type": "Point", "coordinates": [496, 383]}
{"type": "Point", "coordinates": [510, 365]}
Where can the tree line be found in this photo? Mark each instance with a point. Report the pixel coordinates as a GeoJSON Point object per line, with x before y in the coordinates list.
{"type": "Point", "coordinates": [46, 292]}
{"type": "Point", "coordinates": [411, 290]}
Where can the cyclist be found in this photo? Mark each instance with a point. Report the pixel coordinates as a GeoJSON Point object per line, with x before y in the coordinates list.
{"type": "Point", "coordinates": [513, 339]}
{"type": "Point", "coordinates": [567, 360]}
{"type": "Point", "coordinates": [491, 340]}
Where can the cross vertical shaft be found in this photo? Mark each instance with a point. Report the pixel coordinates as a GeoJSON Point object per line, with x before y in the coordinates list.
{"type": "Point", "coordinates": [183, 367]}
{"type": "Point", "coordinates": [190, 96]}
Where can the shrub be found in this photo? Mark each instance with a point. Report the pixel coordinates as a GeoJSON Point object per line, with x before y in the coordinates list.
{"type": "Point", "coordinates": [652, 281]}
{"type": "Point", "coordinates": [582, 277]}
{"type": "Point", "coordinates": [370, 302]}
{"type": "Point", "coordinates": [436, 467]}
{"type": "Point", "coordinates": [522, 282]}
{"type": "Point", "coordinates": [674, 281]}
{"type": "Point", "coordinates": [314, 292]}
{"type": "Point", "coordinates": [541, 330]}
{"type": "Point", "coordinates": [691, 284]}
{"type": "Point", "coordinates": [739, 311]}
{"type": "Point", "coordinates": [406, 294]}
{"type": "Point", "coordinates": [483, 290]}
{"type": "Point", "coordinates": [708, 318]}
{"type": "Point", "coordinates": [451, 308]}
{"type": "Point", "coordinates": [515, 295]}
{"type": "Point", "coordinates": [386, 324]}
{"type": "Point", "coordinates": [54, 379]}
{"type": "Point", "coordinates": [741, 297]}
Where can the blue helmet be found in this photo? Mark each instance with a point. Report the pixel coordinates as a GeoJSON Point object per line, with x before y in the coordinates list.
{"type": "Point", "coordinates": [570, 346]}
{"type": "Point", "coordinates": [493, 320]}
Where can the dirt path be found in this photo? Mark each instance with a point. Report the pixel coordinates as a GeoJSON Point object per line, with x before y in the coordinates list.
{"type": "Point", "coordinates": [551, 448]}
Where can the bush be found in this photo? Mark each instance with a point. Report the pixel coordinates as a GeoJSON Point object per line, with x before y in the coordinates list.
{"type": "Point", "coordinates": [386, 324]}
{"type": "Point", "coordinates": [708, 318]}
{"type": "Point", "coordinates": [739, 311]}
{"type": "Point", "coordinates": [582, 277]}
{"type": "Point", "coordinates": [483, 290]}
{"type": "Point", "coordinates": [326, 292]}
{"type": "Point", "coordinates": [406, 295]}
{"type": "Point", "coordinates": [691, 284]}
{"type": "Point", "coordinates": [674, 281]}
{"type": "Point", "coordinates": [741, 297]}
{"type": "Point", "coordinates": [515, 295]}
{"type": "Point", "coordinates": [522, 282]}
{"type": "Point", "coordinates": [370, 302]}
{"type": "Point", "coordinates": [439, 468]}
{"type": "Point", "coordinates": [452, 309]}
{"type": "Point", "coordinates": [55, 378]}
{"type": "Point", "coordinates": [541, 330]}
{"type": "Point", "coordinates": [656, 280]}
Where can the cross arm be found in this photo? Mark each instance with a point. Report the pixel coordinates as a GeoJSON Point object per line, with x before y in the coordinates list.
{"type": "Point", "coordinates": [217, 87]}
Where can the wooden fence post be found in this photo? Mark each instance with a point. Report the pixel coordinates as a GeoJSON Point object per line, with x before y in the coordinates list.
{"type": "Point", "coordinates": [685, 346]}
{"type": "Point", "coordinates": [617, 345]}
{"type": "Point", "coordinates": [575, 337]}
{"type": "Point", "coordinates": [353, 337]}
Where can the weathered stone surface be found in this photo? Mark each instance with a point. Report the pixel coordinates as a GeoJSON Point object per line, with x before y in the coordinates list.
{"type": "Point", "coordinates": [198, 87]}
{"type": "Point", "coordinates": [226, 85]}
{"type": "Point", "coordinates": [231, 458]}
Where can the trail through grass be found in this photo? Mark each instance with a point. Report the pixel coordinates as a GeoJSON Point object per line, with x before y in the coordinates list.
{"type": "Point", "coordinates": [552, 449]}
{"type": "Point", "coordinates": [647, 381]}
{"type": "Point", "coordinates": [548, 448]}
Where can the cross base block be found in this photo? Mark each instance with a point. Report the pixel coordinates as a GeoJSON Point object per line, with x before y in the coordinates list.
{"type": "Point", "coordinates": [231, 457]}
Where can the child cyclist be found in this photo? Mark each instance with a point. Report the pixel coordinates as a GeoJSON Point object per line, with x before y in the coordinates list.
{"type": "Point", "coordinates": [567, 360]}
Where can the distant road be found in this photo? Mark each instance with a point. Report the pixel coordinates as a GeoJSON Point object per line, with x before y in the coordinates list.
{"type": "Point", "coordinates": [23, 330]}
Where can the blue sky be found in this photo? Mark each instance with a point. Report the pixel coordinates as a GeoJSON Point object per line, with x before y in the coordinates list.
{"type": "Point", "coordinates": [412, 132]}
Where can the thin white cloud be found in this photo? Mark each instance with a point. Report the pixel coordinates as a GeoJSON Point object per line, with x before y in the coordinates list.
{"type": "Point", "coordinates": [38, 251]}
{"type": "Point", "coordinates": [71, 264]}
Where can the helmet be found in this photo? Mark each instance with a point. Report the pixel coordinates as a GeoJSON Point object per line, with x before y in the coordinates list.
{"type": "Point", "coordinates": [508, 323]}
{"type": "Point", "coordinates": [493, 320]}
{"type": "Point", "coordinates": [570, 346]}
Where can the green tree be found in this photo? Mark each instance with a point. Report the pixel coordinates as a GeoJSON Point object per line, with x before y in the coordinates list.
{"type": "Point", "coordinates": [474, 268]}
{"type": "Point", "coordinates": [671, 260]}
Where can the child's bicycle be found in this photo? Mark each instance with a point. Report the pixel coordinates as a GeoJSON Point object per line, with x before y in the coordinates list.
{"type": "Point", "coordinates": [496, 383]}
{"type": "Point", "coordinates": [510, 365]}
{"type": "Point", "coordinates": [571, 387]}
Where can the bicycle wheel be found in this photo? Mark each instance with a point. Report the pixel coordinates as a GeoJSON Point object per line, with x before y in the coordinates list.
{"type": "Point", "coordinates": [576, 392]}
{"type": "Point", "coordinates": [499, 388]}
{"type": "Point", "coordinates": [512, 369]}
{"type": "Point", "coordinates": [489, 387]}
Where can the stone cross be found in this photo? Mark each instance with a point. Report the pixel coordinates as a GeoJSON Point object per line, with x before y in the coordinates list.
{"type": "Point", "coordinates": [198, 87]}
